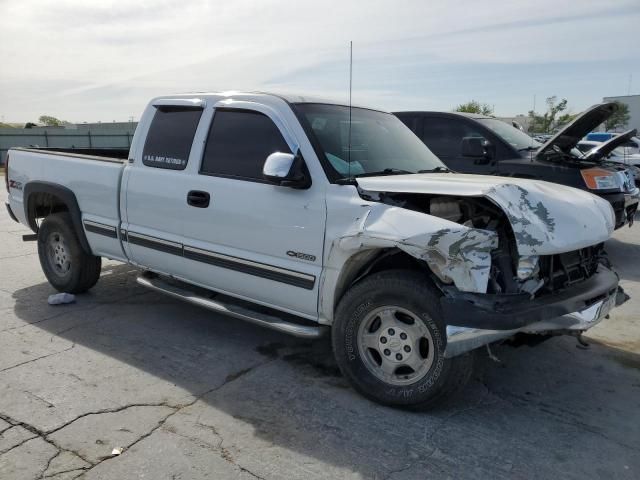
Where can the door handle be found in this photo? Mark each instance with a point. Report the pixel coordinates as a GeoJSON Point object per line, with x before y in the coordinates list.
{"type": "Point", "coordinates": [198, 199]}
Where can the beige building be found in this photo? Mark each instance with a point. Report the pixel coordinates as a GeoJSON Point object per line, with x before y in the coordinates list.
{"type": "Point", "coordinates": [633, 101]}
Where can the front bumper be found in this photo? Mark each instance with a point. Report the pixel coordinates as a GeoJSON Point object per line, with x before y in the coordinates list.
{"type": "Point", "coordinates": [474, 320]}
{"type": "Point", "coordinates": [631, 201]}
{"type": "Point", "coordinates": [624, 205]}
{"type": "Point", "coordinates": [514, 311]}
{"type": "Point", "coordinates": [461, 339]}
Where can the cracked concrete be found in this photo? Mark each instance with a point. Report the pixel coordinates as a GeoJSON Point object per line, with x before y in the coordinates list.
{"type": "Point", "coordinates": [191, 395]}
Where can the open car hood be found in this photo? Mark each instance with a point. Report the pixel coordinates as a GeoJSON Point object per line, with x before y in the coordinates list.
{"type": "Point", "coordinates": [546, 218]}
{"type": "Point", "coordinates": [569, 136]}
{"type": "Point", "coordinates": [601, 151]}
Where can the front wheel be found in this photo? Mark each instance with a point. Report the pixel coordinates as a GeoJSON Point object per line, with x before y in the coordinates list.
{"type": "Point", "coordinates": [389, 341]}
{"type": "Point", "coordinates": [66, 265]}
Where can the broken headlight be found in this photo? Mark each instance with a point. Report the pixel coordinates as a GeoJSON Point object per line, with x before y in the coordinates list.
{"type": "Point", "coordinates": [527, 266]}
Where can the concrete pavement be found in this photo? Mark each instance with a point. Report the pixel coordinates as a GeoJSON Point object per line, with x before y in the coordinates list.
{"type": "Point", "coordinates": [187, 394]}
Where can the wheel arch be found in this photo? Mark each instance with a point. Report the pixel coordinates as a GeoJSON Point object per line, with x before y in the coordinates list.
{"type": "Point", "coordinates": [39, 196]}
{"type": "Point", "coordinates": [365, 263]}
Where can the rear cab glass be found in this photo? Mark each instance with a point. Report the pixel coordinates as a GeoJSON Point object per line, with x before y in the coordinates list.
{"type": "Point", "coordinates": [170, 137]}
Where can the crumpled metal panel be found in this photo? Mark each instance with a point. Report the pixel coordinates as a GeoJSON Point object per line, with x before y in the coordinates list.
{"type": "Point", "coordinates": [455, 253]}
{"type": "Point", "coordinates": [546, 223]}
{"type": "Point", "coordinates": [547, 218]}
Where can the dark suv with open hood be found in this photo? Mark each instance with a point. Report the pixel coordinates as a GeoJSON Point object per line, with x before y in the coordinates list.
{"type": "Point", "coordinates": [482, 144]}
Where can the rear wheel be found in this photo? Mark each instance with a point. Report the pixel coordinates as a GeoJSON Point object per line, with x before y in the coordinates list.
{"type": "Point", "coordinates": [389, 341]}
{"type": "Point", "coordinates": [66, 265]}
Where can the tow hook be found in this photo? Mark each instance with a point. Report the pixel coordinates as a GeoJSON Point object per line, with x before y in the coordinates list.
{"type": "Point", "coordinates": [621, 296]}
{"type": "Point", "coordinates": [582, 343]}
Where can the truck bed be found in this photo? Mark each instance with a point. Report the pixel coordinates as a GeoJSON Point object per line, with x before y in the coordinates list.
{"type": "Point", "coordinates": [103, 154]}
{"type": "Point", "coordinates": [92, 175]}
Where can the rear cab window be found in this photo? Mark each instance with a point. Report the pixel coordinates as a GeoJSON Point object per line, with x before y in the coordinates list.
{"type": "Point", "coordinates": [170, 137]}
{"type": "Point", "coordinates": [238, 144]}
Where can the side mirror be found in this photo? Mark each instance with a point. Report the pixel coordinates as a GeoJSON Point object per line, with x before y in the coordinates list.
{"type": "Point", "coordinates": [286, 170]}
{"type": "Point", "coordinates": [478, 148]}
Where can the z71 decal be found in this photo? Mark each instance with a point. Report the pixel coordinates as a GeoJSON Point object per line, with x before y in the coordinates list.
{"type": "Point", "coordinates": [15, 184]}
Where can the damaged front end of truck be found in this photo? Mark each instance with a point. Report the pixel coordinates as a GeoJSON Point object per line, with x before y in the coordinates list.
{"type": "Point", "coordinates": [509, 257]}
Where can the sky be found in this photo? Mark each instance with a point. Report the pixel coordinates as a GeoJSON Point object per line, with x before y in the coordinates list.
{"type": "Point", "coordinates": [87, 60]}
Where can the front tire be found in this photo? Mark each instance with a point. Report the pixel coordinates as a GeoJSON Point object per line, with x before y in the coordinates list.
{"type": "Point", "coordinates": [66, 265]}
{"type": "Point", "coordinates": [389, 341]}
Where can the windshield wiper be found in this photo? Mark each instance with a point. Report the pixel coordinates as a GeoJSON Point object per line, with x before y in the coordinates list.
{"type": "Point", "coordinates": [436, 169]}
{"type": "Point", "coordinates": [386, 171]}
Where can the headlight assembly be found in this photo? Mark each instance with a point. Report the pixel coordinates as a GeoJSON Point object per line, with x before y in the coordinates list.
{"type": "Point", "coordinates": [600, 179]}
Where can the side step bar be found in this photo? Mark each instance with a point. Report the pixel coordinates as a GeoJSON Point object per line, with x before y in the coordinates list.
{"type": "Point", "coordinates": [154, 282]}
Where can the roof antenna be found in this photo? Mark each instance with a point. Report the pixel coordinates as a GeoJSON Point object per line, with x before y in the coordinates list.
{"type": "Point", "coordinates": [350, 89]}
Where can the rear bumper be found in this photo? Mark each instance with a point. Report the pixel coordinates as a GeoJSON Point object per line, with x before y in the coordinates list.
{"type": "Point", "coordinates": [11, 214]}
{"type": "Point", "coordinates": [515, 311]}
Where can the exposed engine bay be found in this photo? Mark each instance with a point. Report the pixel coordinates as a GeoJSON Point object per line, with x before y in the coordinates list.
{"type": "Point", "coordinates": [509, 272]}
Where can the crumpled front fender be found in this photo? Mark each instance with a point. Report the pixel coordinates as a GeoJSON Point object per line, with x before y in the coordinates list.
{"type": "Point", "coordinates": [454, 252]}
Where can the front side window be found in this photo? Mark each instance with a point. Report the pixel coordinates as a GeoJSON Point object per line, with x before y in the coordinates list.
{"type": "Point", "coordinates": [170, 137]}
{"type": "Point", "coordinates": [239, 143]}
{"type": "Point", "coordinates": [444, 135]}
{"type": "Point", "coordinates": [363, 142]}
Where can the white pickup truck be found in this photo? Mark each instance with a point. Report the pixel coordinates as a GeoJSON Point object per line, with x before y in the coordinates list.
{"type": "Point", "coordinates": [304, 216]}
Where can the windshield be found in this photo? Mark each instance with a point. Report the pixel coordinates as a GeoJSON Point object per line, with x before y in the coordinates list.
{"type": "Point", "coordinates": [516, 138]}
{"type": "Point", "coordinates": [379, 141]}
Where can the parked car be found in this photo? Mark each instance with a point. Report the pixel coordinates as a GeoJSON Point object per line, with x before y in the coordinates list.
{"type": "Point", "coordinates": [611, 150]}
{"type": "Point", "coordinates": [542, 138]}
{"type": "Point", "coordinates": [599, 136]}
{"type": "Point", "coordinates": [481, 144]}
{"type": "Point", "coordinates": [304, 215]}
{"type": "Point", "coordinates": [630, 147]}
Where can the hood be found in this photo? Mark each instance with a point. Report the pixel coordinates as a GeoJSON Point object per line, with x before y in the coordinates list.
{"type": "Point", "coordinates": [546, 218]}
{"type": "Point", "coordinates": [569, 136]}
{"type": "Point", "coordinates": [601, 151]}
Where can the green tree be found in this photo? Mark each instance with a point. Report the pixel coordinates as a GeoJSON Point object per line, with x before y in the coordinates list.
{"type": "Point", "coordinates": [30, 125]}
{"type": "Point", "coordinates": [475, 107]}
{"type": "Point", "coordinates": [52, 121]}
{"type": "Point", "coordinates": [548, 121]}
{"type": "Point", "coordinates": [565, 119]}
{"type": "Point", "coordinates": [619, 119]}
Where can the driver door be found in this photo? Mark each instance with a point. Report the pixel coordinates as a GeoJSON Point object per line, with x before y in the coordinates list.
{"type": "Point", "coordinates": [253, 239]}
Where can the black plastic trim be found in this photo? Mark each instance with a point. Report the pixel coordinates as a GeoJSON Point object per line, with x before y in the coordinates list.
{"type": "Point", "coordinates": [270, 272]}
{"type": "Point", "coordinates": [512, 311]}
{"type": "Point", "coordinates": [255, 270]}
{"type": "Point", "coordinates": [69, 199]}
{"type": "Point", "coordinates": [155, 244]}
{"type": "Point", "coordinates": [13, 217]}
{"type": "Point", "coordinates": [101, 229]}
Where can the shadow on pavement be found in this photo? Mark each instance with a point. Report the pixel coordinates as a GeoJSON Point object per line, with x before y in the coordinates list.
{"type": "Point", "coordinates": [549, 411]}
{"type": "Point", "coordinates": [624, 256]}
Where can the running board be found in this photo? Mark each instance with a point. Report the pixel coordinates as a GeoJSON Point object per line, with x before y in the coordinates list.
{"type": "Point", "coordinates": [154, 282]}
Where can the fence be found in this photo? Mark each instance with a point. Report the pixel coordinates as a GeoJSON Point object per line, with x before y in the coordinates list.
{"type": "Point", "coordinates": [63, 138]}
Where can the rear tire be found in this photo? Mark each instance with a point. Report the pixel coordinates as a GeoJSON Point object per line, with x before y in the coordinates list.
{"type": "Point", "coordinates": [66, 265]}
{"type": "Point", "coordinates": [389, 341]}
